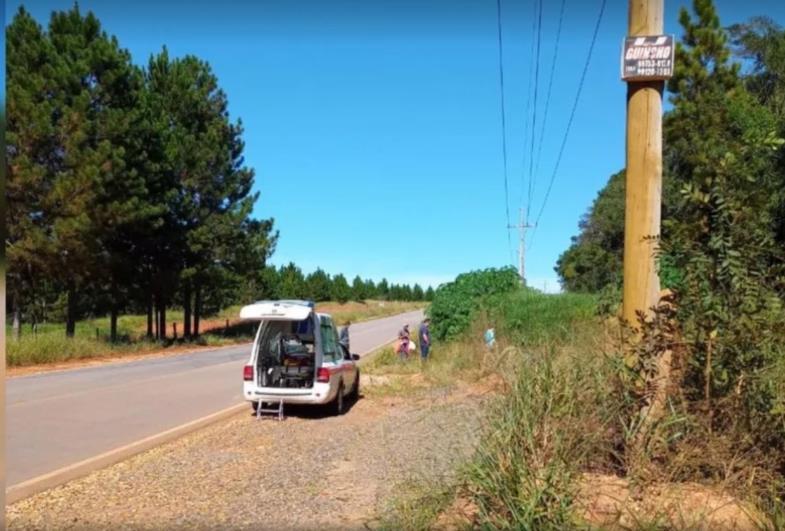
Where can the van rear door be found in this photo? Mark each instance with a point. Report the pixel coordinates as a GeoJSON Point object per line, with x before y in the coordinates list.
{"type": "Point", "coordinates": [276, 311]}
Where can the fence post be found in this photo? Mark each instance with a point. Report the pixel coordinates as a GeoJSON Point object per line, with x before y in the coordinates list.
{"type": "Point", "coordinates": [174, 328]}
{"type": "Point", "coordinates": [226, 328]}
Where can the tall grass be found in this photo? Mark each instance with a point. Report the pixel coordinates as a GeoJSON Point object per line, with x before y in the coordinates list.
{"type": "Point", "coordinates": [567, 409]}
{"type": "Point", "coordinates": [554, 419]}
{"type": "Point", "coordinates": [529, 319]}
{"type": "Point", "coordinates": [47, 343]}
{"type": "Point", "coordinates": [50, 348]}
{"type": "Point", "coordinates": [551, 419]}
{"type": "Point", "coordinates": [551, 424]}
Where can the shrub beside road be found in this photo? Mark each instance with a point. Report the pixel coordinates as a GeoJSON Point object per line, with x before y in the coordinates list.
{"type": "Point", "coordinates": [538, 432]}
{"type": "Point", "coordinates": [559, 449]}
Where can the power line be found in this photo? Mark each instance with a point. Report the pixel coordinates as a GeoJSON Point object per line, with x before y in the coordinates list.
{"type": "Point", "coordinates": [550, 86]}
{"type": "Point", "coordinates": [504, 123]}
{"type": "Point", "coordinates": [534, 111]}
{"type": "Point", "coordinates": [528, 102]}
{"type": "Point", "coordinates": [572, 116]}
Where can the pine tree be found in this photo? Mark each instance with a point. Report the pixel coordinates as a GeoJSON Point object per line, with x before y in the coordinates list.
{"type": "Point", "coordinates": [417, 293]}
{"type": "Point", "coordinates": [319, 286]}
{"type": "Point", "coordinates": [358, 289]}
{"type": "Point", "coordinates": [249, 262]}
{"type": "Point", "coordinates": [207, 190]}
{"type": "Point", "coordinates": [30, 142]}
{"type": "Point", "coordinates": [72, 96]}
{"type": "Point", "coordinates": [383, 290]}
{"type": "Point", "coordinates": [429, 294]}
{"type": "Point", "coordinates": [370, 289]}
{"type": "Point", "coordinates": [125, 187]}
{"type": "Point", "coordinates": [291, 282]}
{"type": "Point", "coordinates": [341, 291]}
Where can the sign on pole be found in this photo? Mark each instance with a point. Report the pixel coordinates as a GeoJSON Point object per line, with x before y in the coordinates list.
{"type": "Point", "coordinates": [648, 58]}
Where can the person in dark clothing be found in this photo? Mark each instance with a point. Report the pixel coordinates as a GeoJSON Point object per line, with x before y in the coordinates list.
{"type": "Point", "coordinates": [425, 339]}
{"type": "Point", "coordinates": [343, 338]}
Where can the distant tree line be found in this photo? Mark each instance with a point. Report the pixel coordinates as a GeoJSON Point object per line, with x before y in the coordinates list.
{"type": "Point", "coordinates": [289, 282]}
{"type": "Point", "coordinates": [127, 189]}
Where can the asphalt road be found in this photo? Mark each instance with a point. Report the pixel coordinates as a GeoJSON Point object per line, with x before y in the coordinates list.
{"type": "Point", "coordinates": [59, 418]}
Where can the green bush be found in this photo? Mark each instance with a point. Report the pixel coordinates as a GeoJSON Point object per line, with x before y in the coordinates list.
{"type": "Point", "coordinates": [530, 318]}
{"type": "Point", "coordinates": [553, 420]}
{"type": "Point", "coordinates": [454, 303]}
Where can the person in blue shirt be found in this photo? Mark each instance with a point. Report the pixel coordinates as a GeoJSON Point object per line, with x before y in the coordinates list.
{"type": "Point", "coordinates": [490, 338]}
{"type": "Point", "coordinates": [425, 339]}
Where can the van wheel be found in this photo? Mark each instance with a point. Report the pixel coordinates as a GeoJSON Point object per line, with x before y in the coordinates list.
{"type": "Point", "coordinates": [338, 404]}
{"type": "Point", "coordinates": [255, 406]}
{"type": "Point", "coordinates": [355, 392]}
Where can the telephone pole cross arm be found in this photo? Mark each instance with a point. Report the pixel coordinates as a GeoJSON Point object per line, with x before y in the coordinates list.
{"type": "Point", "coordinates": [522, 226]}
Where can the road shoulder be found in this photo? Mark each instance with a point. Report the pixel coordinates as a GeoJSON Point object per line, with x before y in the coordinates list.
{"type": "Point", "coordinates": [267, 473]}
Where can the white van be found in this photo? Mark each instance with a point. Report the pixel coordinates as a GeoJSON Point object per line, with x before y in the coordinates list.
{"type": "Point", "coordinates": [296, 357]}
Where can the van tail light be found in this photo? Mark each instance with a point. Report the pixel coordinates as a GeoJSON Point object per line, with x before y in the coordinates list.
{"type": "Point", "coordinates": [248, 373]}
{"type": "Point", "coordinates": [323, 375]}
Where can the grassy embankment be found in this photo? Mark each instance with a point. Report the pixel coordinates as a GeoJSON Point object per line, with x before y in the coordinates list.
{"type": "Point", "coordinates": [48, 345]}
{"type": "Point", "coordinates": [554, 451]}
{"type": "Point", "coordinates": [547, 348]}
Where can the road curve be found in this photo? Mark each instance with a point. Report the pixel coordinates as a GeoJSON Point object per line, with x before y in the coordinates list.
{"type": "Point", "coordinates": [59, 418]}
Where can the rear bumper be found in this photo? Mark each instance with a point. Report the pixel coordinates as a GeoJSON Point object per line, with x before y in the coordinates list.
{"type": "Point", "coordinates": [318, 394]}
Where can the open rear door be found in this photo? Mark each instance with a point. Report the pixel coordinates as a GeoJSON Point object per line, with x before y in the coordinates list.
{"type": "Point", "coordinates": [277, 311]}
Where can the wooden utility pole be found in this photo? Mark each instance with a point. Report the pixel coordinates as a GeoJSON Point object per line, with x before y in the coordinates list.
{"type": "Point", "coordinates": [644, 173]}
{"type": "Point", "coordinates": [521, 226]}
{"type": "Point", "coordinates": [647, 61]}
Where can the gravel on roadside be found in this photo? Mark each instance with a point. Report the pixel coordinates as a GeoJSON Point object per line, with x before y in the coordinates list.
{"type": "Point", "coordinates": [312, 471]}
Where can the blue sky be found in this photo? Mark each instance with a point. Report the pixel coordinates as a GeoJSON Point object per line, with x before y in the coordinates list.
{"type": "Point", "coordinates": [374, 126]}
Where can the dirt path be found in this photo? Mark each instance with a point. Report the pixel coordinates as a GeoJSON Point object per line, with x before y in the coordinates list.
{"type": "Point", "coordinates": [308, 472]}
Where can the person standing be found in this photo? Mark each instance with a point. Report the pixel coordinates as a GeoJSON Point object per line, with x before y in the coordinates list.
{"type": "Point", "coordinates": [425, 339]}
{"type": "Point", "coordinates": [343, 339]}
{"type": "Point", "coordinates": [490, 338]}
{"type": "Point", "coordinates": [403, 343]}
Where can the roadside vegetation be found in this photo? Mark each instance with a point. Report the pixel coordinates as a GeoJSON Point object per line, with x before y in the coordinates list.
{"type": "Point", "coordinates": [48, 345]}
{"type": "Point", "coordinates": [723, 156]}
{"type": "Point", "coordinates": [128, 194]}
{"type": "Point", "coordinates": [130, 209]}
{"type": "Point", "coordinates": [565, 444]}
